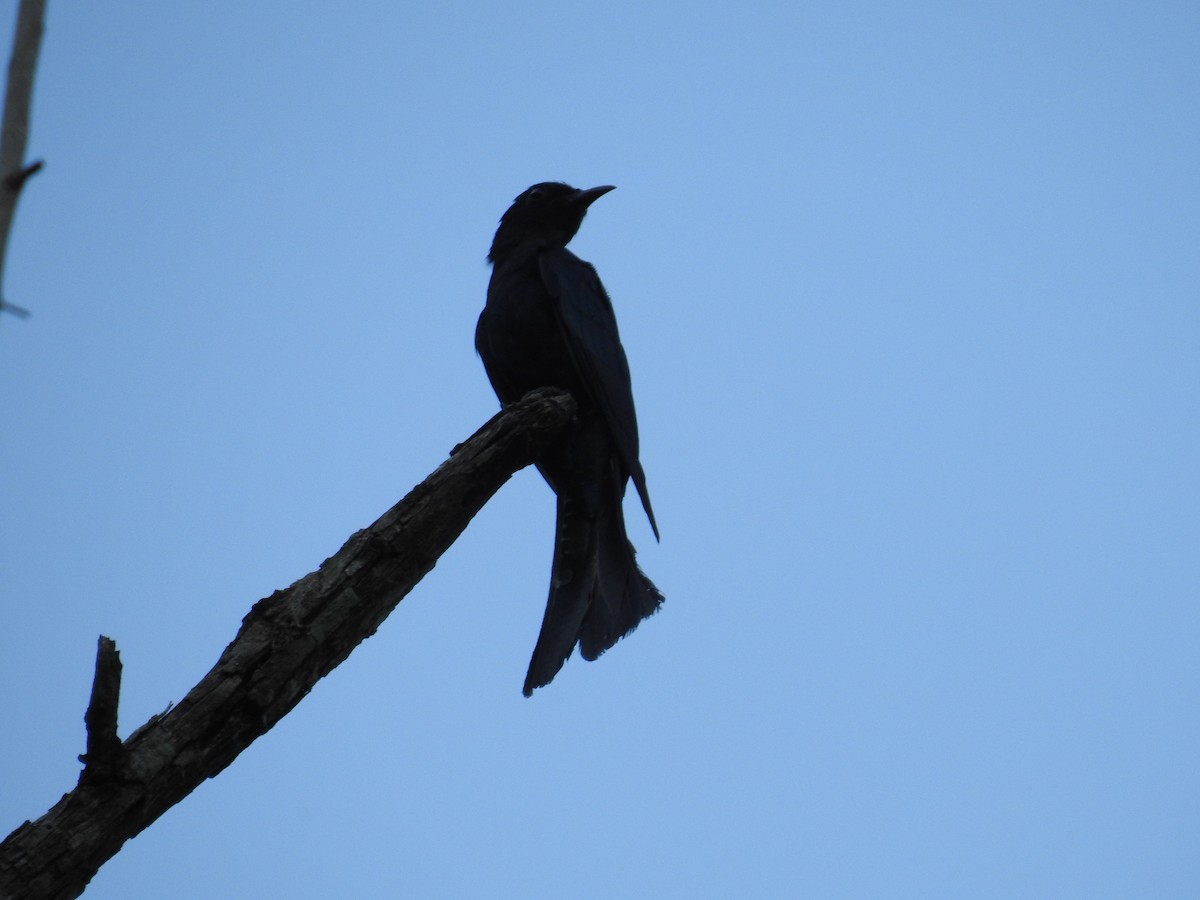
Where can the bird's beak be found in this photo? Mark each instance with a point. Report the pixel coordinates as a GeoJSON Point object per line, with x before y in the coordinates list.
{"type": "Point", "coordinates": [591, 195]}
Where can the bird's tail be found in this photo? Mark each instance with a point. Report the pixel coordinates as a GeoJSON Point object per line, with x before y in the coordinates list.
{"type": "Point", "coordinates": [597, 592]}
{"type": "Point", "coordinates": [623, 595]}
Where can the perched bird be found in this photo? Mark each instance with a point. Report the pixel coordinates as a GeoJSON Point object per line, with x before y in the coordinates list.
{"type": "Point", "coordinates": [549, 323]}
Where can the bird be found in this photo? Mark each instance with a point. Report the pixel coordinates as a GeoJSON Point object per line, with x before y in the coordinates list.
{"type": "Point", "coordinates": [548, 322]}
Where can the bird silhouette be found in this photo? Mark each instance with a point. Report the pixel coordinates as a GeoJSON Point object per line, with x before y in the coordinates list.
{"type": "Point", "coordinates": [548, 322]}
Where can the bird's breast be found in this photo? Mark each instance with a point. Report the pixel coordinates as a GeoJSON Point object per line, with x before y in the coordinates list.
{"type": "Point", "coordinates": [519, 336]}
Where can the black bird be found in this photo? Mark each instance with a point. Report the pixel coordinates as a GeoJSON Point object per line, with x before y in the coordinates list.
{"type": "Point", "coordinates": [549, 323]}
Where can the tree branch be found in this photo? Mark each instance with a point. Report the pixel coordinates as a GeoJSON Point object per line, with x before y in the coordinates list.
{"type": "Point", "coordinates": [287, 642]}
{"type": "Point", "coordinates": [14, 131]}
{"type": "Point", "coordinates": [103, 746]}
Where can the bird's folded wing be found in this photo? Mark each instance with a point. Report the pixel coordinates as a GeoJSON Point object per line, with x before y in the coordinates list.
{"type": "Point", "coordinates": [590, 328]}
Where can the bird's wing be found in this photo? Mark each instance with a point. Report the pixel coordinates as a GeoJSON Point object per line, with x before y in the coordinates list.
{"type": "Point", "coordinates": [590, 328]}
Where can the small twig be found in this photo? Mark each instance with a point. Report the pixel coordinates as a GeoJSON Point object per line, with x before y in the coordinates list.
{"type": "Point", "coordinates": [103, 746]}
{"type": "Point", "coordinates": [19, 311]}
{"type": "Point", "coordinates": [14, 181]}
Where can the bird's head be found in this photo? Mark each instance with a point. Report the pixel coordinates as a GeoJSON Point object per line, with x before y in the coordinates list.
{"type": "Point", "coordinates": [545, 215]}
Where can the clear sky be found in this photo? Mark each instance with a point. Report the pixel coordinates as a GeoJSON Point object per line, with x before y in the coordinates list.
{"type": "Point", "coordinates": [910, 296]}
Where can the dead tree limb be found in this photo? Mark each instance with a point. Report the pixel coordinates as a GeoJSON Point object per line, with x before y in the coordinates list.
{"type": "Point", "coordinates": [287, 642]}
{"type": "Point", "coordinates": [14, 131]}
{"type": "Point", "coordinates": [103, 746]}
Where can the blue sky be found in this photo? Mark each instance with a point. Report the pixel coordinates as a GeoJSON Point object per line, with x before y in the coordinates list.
{"type": "Point", "coordinates": [909, 293]}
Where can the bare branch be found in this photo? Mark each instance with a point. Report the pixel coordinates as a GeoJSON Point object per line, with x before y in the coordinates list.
{"type": "Point", "coordinates": [14, 131]}
{"type": "Point", "coordinates": [286, 643]}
